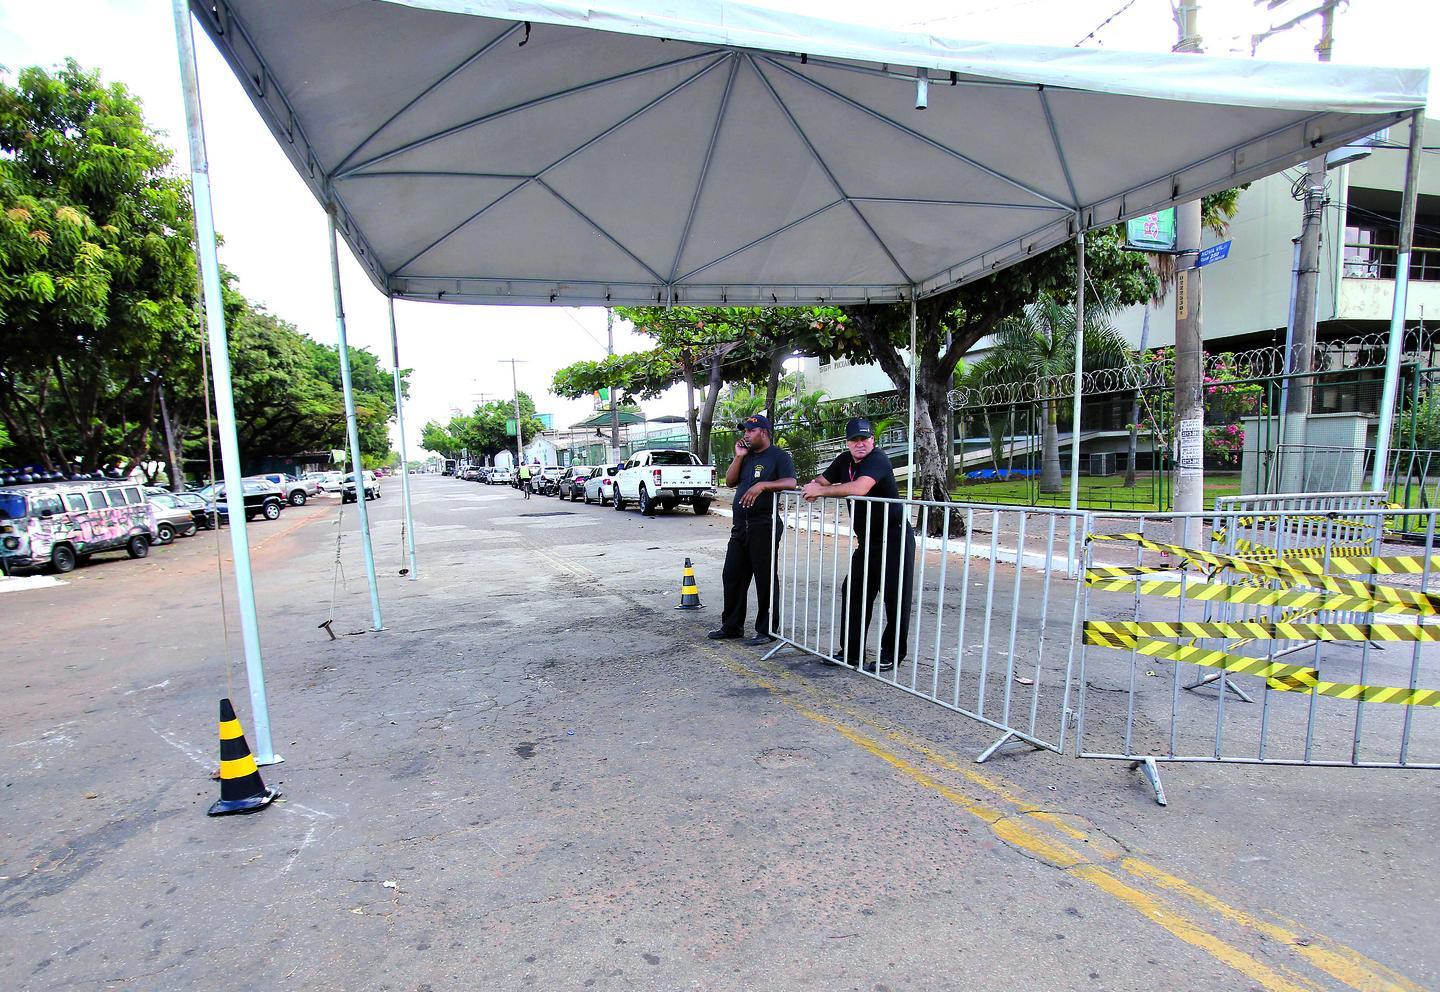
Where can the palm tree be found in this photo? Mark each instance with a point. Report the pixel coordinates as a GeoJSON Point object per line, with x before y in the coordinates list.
{"type": "Point", "coordinates": [1040, 343]}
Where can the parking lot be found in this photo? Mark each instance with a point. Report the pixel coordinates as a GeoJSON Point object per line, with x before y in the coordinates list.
{"type": "Point", "coordinates": [540, 775]}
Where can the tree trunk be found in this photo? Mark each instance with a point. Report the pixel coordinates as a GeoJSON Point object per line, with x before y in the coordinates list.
{"type": "Point", "coordinates": [716, 379]}
{"type": "Point", "coordinates": [772, 388]}
{"type": "Point", "coordinates": [688, 365]}
{"type": "Point", "coordinates": [1050, 481]}
{"type": "Point", "coordinates": [172, 448]}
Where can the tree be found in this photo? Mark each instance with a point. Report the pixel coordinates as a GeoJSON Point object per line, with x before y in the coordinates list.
{"type": "Point", "coordinates": [949, 324]}
{"type": "Point", "coordinates": [1039, 343]}
{"type": "Point", "coordinates": [705, 348]}
{"type": "Point", "coordinates": [97, 281]}
{"type": "Point", "coordinates": [485, 432]}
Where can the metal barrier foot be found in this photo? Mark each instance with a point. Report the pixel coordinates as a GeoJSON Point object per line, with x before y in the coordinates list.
{"type": "Point", "coordinates": [1010, 742]}
{"type": "Point", "coordinates": [779, 646]}
{"type": "Point", "coordinates": [1152, 775]}
{"type": "Point", "coordinates": [1203, 681]}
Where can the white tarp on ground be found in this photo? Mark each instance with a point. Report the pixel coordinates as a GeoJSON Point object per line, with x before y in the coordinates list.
{"type": "Point", "coordinates": [484, 151]}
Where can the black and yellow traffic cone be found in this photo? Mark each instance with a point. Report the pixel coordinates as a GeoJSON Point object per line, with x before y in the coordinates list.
{"type": "Point", "coordinates": [689, 591]}
{"type": "Point", "coordinates": [241, 790]}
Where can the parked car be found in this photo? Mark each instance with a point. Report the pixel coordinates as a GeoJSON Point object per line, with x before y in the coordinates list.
{"type": "Point", "coordinates": [372, 487]}
{"type": "Point", "coordinates": [172, 518]}
{"type": "Point", "coordinates": [62, 523]}
{"type": "Point", "coordinates": [295, 491]}
{"type": "Point", "coordinates": [501, 476]}
{"type": "Point", "coordinates": [572, 483]}
{"type": "Point", "coordinates": [196, 506]}
{"type": "Point", "coordinates": [664, 479]}
{"type": "Point", "coordinates": [600, 487]}
{"type": "Point", "coordinates": [483, 473]}
{"type": "Point", "coordinates": [325, 482]}
{"type": "Point", "coordinates": [547, 482]}
{"type": "Point", "coordinates": [262, 499]}
{"type": "Point", "coordinates": [470, 474]}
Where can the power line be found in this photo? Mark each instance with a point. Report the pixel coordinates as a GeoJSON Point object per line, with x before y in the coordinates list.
{"type": "Point", "coordinates": [1102, 24]}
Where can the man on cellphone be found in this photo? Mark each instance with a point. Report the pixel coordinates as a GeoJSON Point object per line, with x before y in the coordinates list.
{"type": "Point", "coordinates": [759, 470]}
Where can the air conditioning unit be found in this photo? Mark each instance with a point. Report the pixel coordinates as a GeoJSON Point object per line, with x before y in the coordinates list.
{"type": "Point", "coordinates": [1102, 463]}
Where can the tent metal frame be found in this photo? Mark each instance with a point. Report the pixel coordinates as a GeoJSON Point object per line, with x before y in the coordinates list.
{"type": "Point", "coordinates": [238, 48]}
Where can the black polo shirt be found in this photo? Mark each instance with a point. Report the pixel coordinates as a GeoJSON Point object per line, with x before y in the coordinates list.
{"type": "Point", "coordinates": [875, 465]}
{"type": "Point", "coordinates": [763, 466]}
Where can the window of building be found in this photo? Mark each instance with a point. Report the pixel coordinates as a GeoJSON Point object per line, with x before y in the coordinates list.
{"type": "Point", "coordinates": [1372, 243]}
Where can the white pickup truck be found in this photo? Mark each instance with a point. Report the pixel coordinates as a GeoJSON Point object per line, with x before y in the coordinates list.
{"type": "Point", "coordinates": [663, 479]}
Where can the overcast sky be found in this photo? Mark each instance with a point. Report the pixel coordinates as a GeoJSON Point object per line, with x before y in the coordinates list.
{"type": "Point", "coordinates": [275, 234]}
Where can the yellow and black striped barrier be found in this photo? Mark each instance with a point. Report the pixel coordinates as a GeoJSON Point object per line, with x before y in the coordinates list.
{"type": "Point", "coordinates": [1259, 630]}
{"type": "Point", "coordinates": [1214, 592]}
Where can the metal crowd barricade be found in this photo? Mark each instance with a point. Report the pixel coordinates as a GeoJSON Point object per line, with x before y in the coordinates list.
{"type": "Point", "coordinates": [994, 604]}
{"type": "Point", "coordinates": [1320, 637]}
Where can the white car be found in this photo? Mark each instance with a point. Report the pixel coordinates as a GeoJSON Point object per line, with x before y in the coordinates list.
{"type": "Point", "coordinates": [600, 487]}
{"type": "Point", "coordinates": [501, 476]}
{"type": "Point", "coordinates": [663, 479]}
{"type": "Point", "coordinates": [372, 487]}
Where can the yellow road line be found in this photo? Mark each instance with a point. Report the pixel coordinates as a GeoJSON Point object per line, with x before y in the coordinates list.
{"type": "Point", "coordinates": [1343, 963]}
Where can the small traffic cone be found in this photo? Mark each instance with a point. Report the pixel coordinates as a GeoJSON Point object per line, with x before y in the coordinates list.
{"type": "Point", "coordinates": [689, 591]}
{"type": "Point", "coordinates": [241, 790]}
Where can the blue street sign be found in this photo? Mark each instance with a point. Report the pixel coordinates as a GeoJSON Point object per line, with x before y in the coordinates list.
{"type": "Point", "coordinates": [1214, 253]}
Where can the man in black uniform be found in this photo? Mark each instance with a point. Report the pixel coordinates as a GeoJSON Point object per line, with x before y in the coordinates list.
{"type": "Point", "coordinates": [884, 556]}
{"type": "Point", "coordinates": [759, 470]}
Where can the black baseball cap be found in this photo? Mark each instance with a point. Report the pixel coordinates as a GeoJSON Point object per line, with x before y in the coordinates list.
{"type": "Point", "coordinates": [755, 421]}
{"type": "Point", "coordinates": [858, 427]}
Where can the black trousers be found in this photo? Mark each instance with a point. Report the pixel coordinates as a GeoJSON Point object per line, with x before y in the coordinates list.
{"type": "Point", "coordinates": [891, 564]}
{"type": "Point", "coordinates": [749, 555]}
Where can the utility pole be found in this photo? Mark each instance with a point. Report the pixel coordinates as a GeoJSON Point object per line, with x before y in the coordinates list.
{"type": "Point", "coordinates": [1305, 294]}
{"type": "Point", "coordinates": [519, 431]}
{"type": "Point", "coordinates": [614, 410]}
{"type": "Point", "coordinates": [1189, 346]}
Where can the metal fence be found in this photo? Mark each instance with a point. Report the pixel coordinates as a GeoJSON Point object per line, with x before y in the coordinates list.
{"type": "Point", "coordinates": [1294, 636]}
{"type": "Point", "coordinates": [1293, 629]}
{"type": "Point", "coordinates": [980, 619]}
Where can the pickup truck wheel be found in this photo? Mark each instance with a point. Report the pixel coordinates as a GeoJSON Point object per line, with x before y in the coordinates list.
{"type": "Point", "coordinates": [165, 533]}
{"type": "Point", "coordinates": [616, 501]}
{"type": "Point", "coordinates": [298, 497]}
{"type": "Point", "coordinates": [272, 510]}
{"type": "Point", "coordinates": [138, 546]}
{"type": "Point", "coordinates": [702, 507]}
{"type": "Point", "coordinates": [668, 505]}
{"type": "Point", "coordinates": [647, 505]}
{"type": "Point", "coordinates": [62, 558]}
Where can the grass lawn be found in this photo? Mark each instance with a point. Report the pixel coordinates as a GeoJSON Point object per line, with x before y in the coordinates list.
{"type": "Point", "coordinates": [1096, 493]}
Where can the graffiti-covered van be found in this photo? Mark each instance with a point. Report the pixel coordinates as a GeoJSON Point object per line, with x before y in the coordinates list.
{"type": "Point", "coordinates": [60, 523]}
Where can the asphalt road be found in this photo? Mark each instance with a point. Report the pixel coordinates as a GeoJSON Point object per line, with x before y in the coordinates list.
{"type": "Point", "coordinates": [540, 775]}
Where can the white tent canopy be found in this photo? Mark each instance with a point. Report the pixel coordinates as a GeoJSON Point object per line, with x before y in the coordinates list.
{"type": "Point", "coordinates": [506, 151]}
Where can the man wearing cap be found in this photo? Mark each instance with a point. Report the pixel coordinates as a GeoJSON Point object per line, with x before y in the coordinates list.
{"type": "Point", "coordinates": [884, 556]}
{"type": "Point", "coordinates": [759, 470]}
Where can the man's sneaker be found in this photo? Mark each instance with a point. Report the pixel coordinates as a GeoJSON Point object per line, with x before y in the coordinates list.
{"type": "Point", "coordinates": [723, 634]}
{"type": "Point", "coordinates": [758, 640]}
{"type": "Point", "coordinates": [886, 664]}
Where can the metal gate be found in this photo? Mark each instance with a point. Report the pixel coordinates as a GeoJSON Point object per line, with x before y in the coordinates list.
{"type": "Point", "coordinates": [980, 613]}
{"type": "Point", "coordinates": [1303, 635]}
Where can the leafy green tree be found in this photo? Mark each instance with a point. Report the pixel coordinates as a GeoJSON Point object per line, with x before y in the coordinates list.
{"type": "Point", "coordinates": [949, 324]}
{"type": "Point", "coordinates": [485, 432]}
{"type": "Point", "coordinates": [1038, 343]}
{"type": "Point", "coordinates": [705, 348]}
{"type": "Point", "coordinates": [97, 283]}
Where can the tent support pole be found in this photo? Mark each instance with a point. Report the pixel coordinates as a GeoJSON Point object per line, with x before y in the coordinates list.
{"type": "Point", "coordinates": [404, 449]}
{"type": "Point", "coordinates": [1397, 307]}
{"type": "Point", "coordinates": [224, 391]}
{"type": "Point", "coordinates": [1079, 372]}
{"type": "Point", "coordinates": [352, 427]}
{"type": "Point", "coordinates": [910, 434]}
{"type": "Point", "coordinates": [1079, 365]}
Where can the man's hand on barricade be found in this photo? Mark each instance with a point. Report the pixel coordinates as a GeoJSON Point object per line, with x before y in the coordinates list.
{"type": "Point", "coordinates": [812, 491]}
